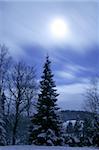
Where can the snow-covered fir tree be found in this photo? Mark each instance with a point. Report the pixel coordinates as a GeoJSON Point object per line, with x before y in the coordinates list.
{"type": "Point", "coordinates": [96, 130]}
{"type": "Point", "coordinates": [78, 128]}
{"type": "Point", "coordinates": [70, 128]}
{"type": "Point", "coordinates": [2, 123]}
{"type": "Point", "coordinates": [86, 139]}
{"type": "Point", "coordinates": [46, 125]}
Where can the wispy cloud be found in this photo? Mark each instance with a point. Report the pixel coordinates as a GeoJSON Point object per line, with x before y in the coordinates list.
{"type": "Point", "coordinates": [29, 22]}
{"type": "Point", "coordinates": [76, 88]}
{"type": "Point", "coordinates": [24, 28]}
{"type": "Point", "coordinates": [66, 75]}
{"type": "Point", "coordinates": [75, 67]}
{"type": "Point", "coordinates": [71, 96]}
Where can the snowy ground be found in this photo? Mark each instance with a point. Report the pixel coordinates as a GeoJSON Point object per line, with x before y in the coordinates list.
{"type": "Point", "coordinates": [45, 148]}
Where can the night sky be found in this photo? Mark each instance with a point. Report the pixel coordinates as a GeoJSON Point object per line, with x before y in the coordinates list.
{"type": "Point", "coordinates": [25, 29]}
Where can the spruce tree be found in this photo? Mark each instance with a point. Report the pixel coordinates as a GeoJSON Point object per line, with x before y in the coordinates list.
{"type": "Point", "coordinates": [87, 128]}
{"type": "Point", "coordinates": [2, 131]}
{"type": "Point", "coordinates": [96, 130]}
{"type": "Point", "coordinates": [2, 124]}
{"type": "Point", "coordinates": [46, 128]}
{"type": "Point", "coordinates": [77, 128]}
{"type": "Point", "coordinates": [70, 128]}
{"type": "Point", "coordinates": [86, 139]}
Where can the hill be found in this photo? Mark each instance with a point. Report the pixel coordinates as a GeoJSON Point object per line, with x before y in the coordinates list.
{"type": "Point", "coordinates": [73, 115]}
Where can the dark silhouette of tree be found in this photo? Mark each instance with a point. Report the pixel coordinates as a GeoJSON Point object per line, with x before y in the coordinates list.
{"type": "Point", "coordinates": [70, 128]}
{"type": "Point", "coordinates": [77, 128]}
{"type": "Point", "coordinates": [46, 125]}
{"type": "Point", "coordinates": [92, 105]}
{"type": "Point", "coordinates": [2, 124]}
{"type": "Point", "coordinates": [4, 67]}
{"type": "Point", "coordinates": [22, 88]}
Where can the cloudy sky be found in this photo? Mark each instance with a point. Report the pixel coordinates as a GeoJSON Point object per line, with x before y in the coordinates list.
{"type": "Point", "coordinates": [26, 28]}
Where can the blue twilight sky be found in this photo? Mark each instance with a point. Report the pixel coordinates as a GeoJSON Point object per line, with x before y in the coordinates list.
{"type": "Point", "coordinates": [25, 29]}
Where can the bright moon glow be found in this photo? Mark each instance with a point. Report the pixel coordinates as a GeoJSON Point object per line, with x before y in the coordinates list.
{"type": "Point", "coordinates": [59, 29]}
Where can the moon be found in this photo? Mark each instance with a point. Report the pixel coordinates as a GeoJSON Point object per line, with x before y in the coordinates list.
{"type": "Point", "coordinates": [59, 28]}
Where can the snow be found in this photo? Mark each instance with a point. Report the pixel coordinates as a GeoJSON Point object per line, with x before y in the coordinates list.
{"type": "Point", "coordinates": [42, 135]}
{"type": "Point", "coordinates": [45, 148]}
{"type": "Point", "coordinates": [72, 121]}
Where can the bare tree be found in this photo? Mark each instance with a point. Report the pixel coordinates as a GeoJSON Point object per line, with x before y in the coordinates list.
{"type": "Point", "coordinates": [4, 68]}
{"type": "Point", "coordinates": [92, 105]}
{"type": "Point", "coordinates": [92, 97]}
{"type": "Point", "coordinates": [22, 88]}
{"type": "Point", "coordinates": [5, 61]}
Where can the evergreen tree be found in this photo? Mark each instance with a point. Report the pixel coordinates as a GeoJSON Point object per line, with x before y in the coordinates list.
{"type": "Point", "coordinates": [77, 128]}
{"type": "Point", "coordinates": [70, 128]}
{"type": "Point", "coordinates": [96, 130]}
{"type": "Point", "coordinates": [86, 139]}
{"type": "Point", "coordinates": [46, 129]}
{"type": "Point", "coordinates": [2, 124]}
{"type": "Point", "coordinates": [87, 128]}
{"type": "Point", "coordinates": [3, 99]}
{"type": "Point", "coordinates": [2, 131]}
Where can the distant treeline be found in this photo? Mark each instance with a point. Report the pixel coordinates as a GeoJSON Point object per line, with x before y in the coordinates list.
{"type": "Point", "coordinates": [73, 115]}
